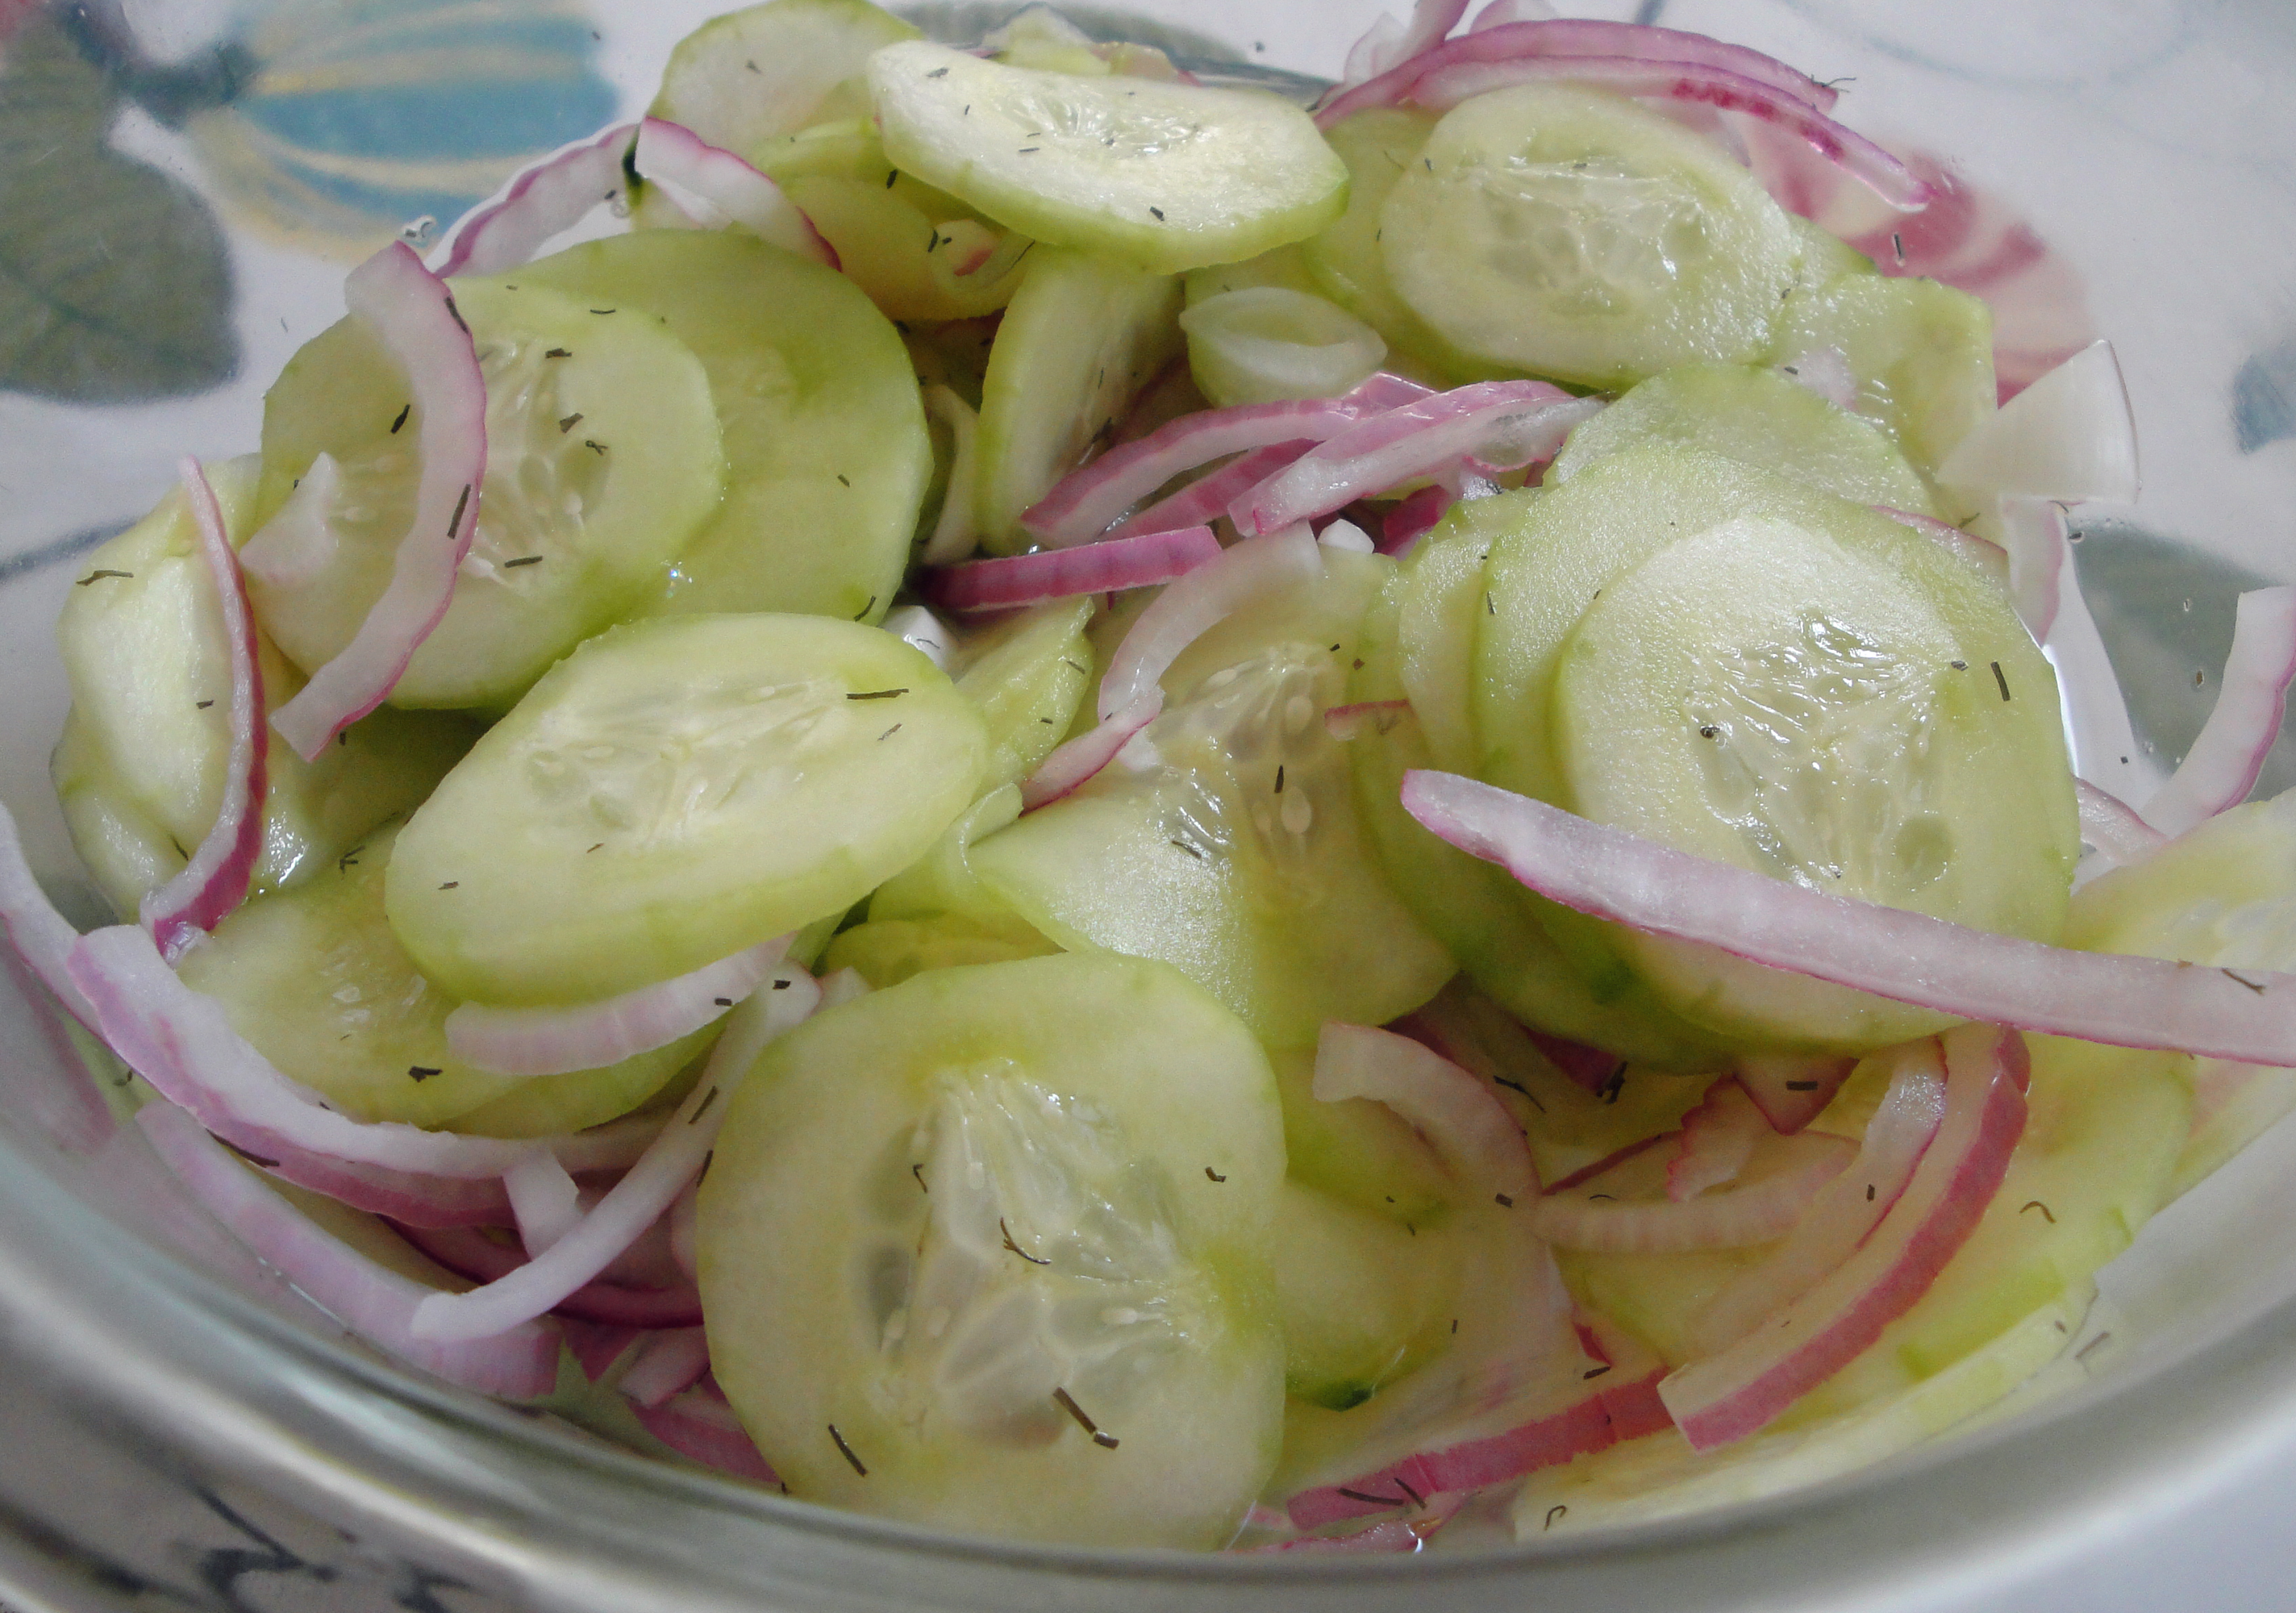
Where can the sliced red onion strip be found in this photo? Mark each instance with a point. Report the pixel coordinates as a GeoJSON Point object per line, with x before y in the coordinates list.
{"type": "Point", "coordinates": [1791, 1089]}
{"type": "Point", "coordinates": [2244, 1014]}
{"type": "Point", "coordinates": [700, 1426]}
{"type": "Point", "coordinates": [413, 312]}
{"type": "Point", "coordinates": [641, 1196]}
{"type": "Point", "coordinates": [2112, 827]}
{"type": "Point", "coordinates": [1469, 1129]}
{"type": "Point", "coordinates": [2068, 435]}
{"type": "Point", "coordinates": [1629, 1386]}
{"type": "Point", "coordinates": [1754, 1212]}
{"type": "Point", "coordinates": [1109, 566]}
{"type": "Point", "coordinates": [1206, 596]}
{"type": "Point", "coordinates": [1443, 88]}
{"type": "Point", "coordinates": [596, 1345]}
{"type": "Point", "coordinates": [1509, 422]}
{"type": "Point", "coordinates": [555, 1041]}
{"type": "Point", "coordinates": [1346, 722]}
{"type": "Point", "coordinates": [1073, 764]}
{"type": "Point", "coordinates": [1590, 1067]}
{"type": "Point", "coordinates": [371, 1300]}
{"type": "Point", "coordinates": [551, 196]}
{"type": "Point", "coordinates": [544, 1199]}
{"type": "Point", "coordinates": [671, 1362]}
{"type": "Point", "coordinates": [1086, 501]}
{"type": "Point", "coordinates": [955, 533]}
{"type": "Point", "coordinates": [1987, 556]}
{"type": "Point", "coordinates": [2039, 542]}
{"type": "Point", "coordinates": [2252, 700]}
{"type": "Point", "coordinates": [1576, 1430]}
{"type": "Point", "coordinates": [1717, 1139]}
{"type": "Point", "coordinates": [215, 881]}
{"type": "Point", "coordinates": [1617, 1156]}
{"type": "Point", "coordinates": [1389, 1537]}
{"type": "Point", "coordinates": [467, 1251]}
{"type": "Point", "coordinates": [1730, 1394]}
{"type": "Point", "coordinates": [42, 937]}
{"type": "Point", "coordinates": [1413, 518]}
{"type": "Point", "coordinates": [410, 1197]}
{"type": "Point", "coordinates": [1578, 38]}
{"type": "Point", "coordinates": [722, 188]}
{"type": "Point", "coordinates": [1208, 498]}
{"type": "Point", "coordinates": [1846, 1212]}
{"type": "Point", "coordinates": [1387, 44]}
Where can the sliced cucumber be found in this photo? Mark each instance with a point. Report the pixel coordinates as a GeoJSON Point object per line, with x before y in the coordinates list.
{"type": "Point", "coordinates": [1285, 266]}
{"type": "Point", "coordinates": [140, 771]}
{"type": "Point", "coordinates": [886, 951]}
{"type": "Point", "coordinates": [826, 452]}
{"type": "Point", "coordinates": [1357, 1151]}
{"type": "Point", "coordinates": [1361, 1297]}
{"type": "Point", "coordinates": [1170, 176]}
{"type": "Point", "coordinates": [315, 979]}
{"type": "Point", "coordinates": [904, 245]}
{"type": "Point", "coordinates": [752, 76]}
{"type": "Point", "coordinates": [603, 459]}
{"type": "Point", "coordinates": [1226, 841]}
{"type": "Point", "coordinates": [1083, 336]}
{"type": "Point", "coordinates": [950, 1221]}
{"type": "Point", "coordinates": [607, 833]}
{"type": "Point", "coordinates": [1826, 696]}
{"type": "Point", "coordinates": [1028, 676]}
{"type": "Point", "coordinates": [1826, 255]}
{"type": "Point", "coordinates": [1578, 234]}
{"type": "Point", "coordinates": [1762, 417]}
{"type": "Point", "coordinates": [1921, 353]}
{"type": "Point", "coordinates": [1264, 344]}
{"type": "Point", "coordinates": [942, 885]}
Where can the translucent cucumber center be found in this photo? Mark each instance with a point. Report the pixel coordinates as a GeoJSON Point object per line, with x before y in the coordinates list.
{"type": "Point", "coordinates": [1817, 750]}
{"type": "Point", "coordinates": [1590, 236]}
{"type": "Point", "coordinates": [1048, 1268]}
{"type": "Point", "coordinates": [1102, 124]}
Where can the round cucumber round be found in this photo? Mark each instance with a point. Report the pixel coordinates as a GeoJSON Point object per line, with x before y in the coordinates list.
{"type": "Point", "coordinates": [1578, 234]}
{"type": "Point", "coordinates": [990, 1250]}
{"type": "Point", "coordinates": [674, 792]}
{"type": "Point", "coordinates": [603, 459]}
{"type": "Point", "coordinates": [1920, 352]}
{"type": "Point", "coordinates": [750, 78]}
{"type": "Point", "coordinates": [826, 453]}
{"type": "Point", "coordinates": [1169, 177]}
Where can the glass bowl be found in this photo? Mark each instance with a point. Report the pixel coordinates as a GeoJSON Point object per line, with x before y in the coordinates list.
{"type": "Point", "coordinates": [185, 183]}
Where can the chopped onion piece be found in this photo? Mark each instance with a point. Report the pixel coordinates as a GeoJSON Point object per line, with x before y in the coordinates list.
{"type": "Point", "coordinates": [1208, 498]}
{"type": "Point", "coordinates": [415, 315]}
{"type": "Point", "coordinates": [1191, 607]}
{"type": "Point", "coordinates": [1717, 1139]}
{"type": "Point", "coordinates": [544, 1199]}
{"type": "Point", "coordinates": [555, 1041]}
{"type": "Point", "coordinates": [2068, 435]}
{"type": "Point", "coordinates": [641, 1196]}
{"type": "Point", "coordinates": [2252, 698]}
{"type": "Point", "coordinates": [1730, 1394]}
{"type": "Point", "coordinates": [1791, 1089]}
{"type": "Point", "coordinates": [1469, 1129]}
{"type": "Point", "coordinates": [1850, 1208]}
{"type": "Point", "coordinates": [542, 200]}
{"type": "Point", "coordinates": [1109, 566]}
{"type": "Point", "coordinates": [668, 1363]}
{"type": "Point", "coordinates": [1387, 44]}
{"type": "Point", "coordinates": [469, 1252]}
{"type": "Point", "coordinates": [922, 631]}
{"type": "Point", "coordinates": [955, 533]}
{"type": "Point", "coordinates": [2244, 1014]}
{"type": "Point", "coordinates": [2113, 827]}
{"type": "Point", "coordinates": [1752, 1212]}
{"type": "Point", "coordinates": [1347, 538]}
{"type": "Point", "coordinates": [700, 1426]}
{"type": "Point", "coordinates": [371, 1300]}
{"type": "Point", "coordinates": [1070, 764]}
{"type": "Point", "coordinates": [715, 187]}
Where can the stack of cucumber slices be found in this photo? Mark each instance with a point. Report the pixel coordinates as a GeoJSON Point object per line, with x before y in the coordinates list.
{"type": "Point", "coordinates": [1092, 1203]}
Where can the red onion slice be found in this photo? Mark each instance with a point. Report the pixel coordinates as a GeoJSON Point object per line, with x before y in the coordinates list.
{"type": "Point", "coordinates": [215, 881]}
{"type": "Point", "coordinates": [1631, 1373]}
{"type": "Point", "coordinates": [2068, 435]}
{"type": "Point", "coordinates": [669, 1364]}
{"type": "Point", "coordinates": [2112, 827]}
{"type": "Point", "coordinates": [545, 1200]}
{"type": "Point", "coordinates": [2039, 542]}
{"type": "Point", "coordinates": [42, 936]}
{"type": "Point", "coordinates": [1717, 1138]}
{"type": "Point", "coordinates": [469, 1252]}
{"type": "Point", "coordinates": [714, 187]}
{"type": "Point", "coordinates": [1409, 1485]}
{"type": "Point", "coordinates": [639, 1198]}
{"type": "Point", "coordinates": [1848, 1208]}
{"type": "Point", "coordinates": [551, 196]}
{"type": "Point", "coordinates": [555, 1041]}
{"type": "Point", "coordinates": [1109, 566]}
{"type": "Point", "coordinates": [1752, 1212]}
{"type": "Point", "coordinates": [1469, 1128]}
{"type": "Point", "coordinates": [1387, 44]}
{"type": "Point", "coordinates": [2243, 1014]}
{"type": "Point", "coordinates": [1728, 1395]}
{"type": "Point", "coordinates": [596, 1346]}
{"type": "Point", "coordinates": [1413, 517]}
{"type": "Point", "coordinates": [1577, 38]}
{"type": "Point", "coordinates": [1445, 87]}
{"type": "Point", "coordinates": [1509, 423]}
{"type": "Point", "coordinates": [1208, 498]}
{"type": "Point", "coordinates": [371, 1300]}
{"type": "Point", "coordinates": [700, 1426]}
{"type": "Point", "coordinates": [1791, 1089]}
{"type": "Point", "coordinates": [1203, 598]}
{"type": "Point", "coordinates": [2252, 699]}
{"type": "Point", "coordinates": [1073, 764]}
{"type": "Point", "coordinates": [414, 313]}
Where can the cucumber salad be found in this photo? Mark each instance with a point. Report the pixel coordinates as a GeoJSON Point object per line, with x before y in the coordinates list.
{"type": "Point", "coordinates": [1069, 804]}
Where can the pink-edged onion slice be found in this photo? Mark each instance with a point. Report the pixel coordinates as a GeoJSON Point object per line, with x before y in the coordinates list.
{"type": "Point", "coordinates": [700, 1426]}
{"type": "Point", "coordinates": [1576, 1429]}
{"type": "Point", "coordinates": [555, 1041]}
{"type": "Point", "coordinates": [469, 1252]}
{"type": "Point", "coordinates": [1577, 37]}
{"type": "Point", "coordinates": [1588, 1067]}
{"type": "Point", "coordinates": [1073, 764]}
{"type": "Point", "coordinates": [1631, 1373]}
{"type": "Point", "coordinates": [1443, 88]}
{"type": "Point", "coordinates": [42, 937]}
{"type": "Point", "coordinates": [2243, 1014]}
{"type": "Point", "coordinates": [1467, 1126]}
{"type": "Point", "coordinates": [1842, 1215]}
{"type": "Point", "coordinates": [1752, 1211]}
{"type": "Point", "coordinates": [596, 1345]}
{"type": "Point", "coordinates": [669, 1364]}
{"type": "Point", "coordinates": [1509, 423]}
{"type": "Point", "coordinates": [714, 187]}
{"type": "Point", "coordinates": [2069, 435]}
{"type": "Point", "coordinates": [642, 1195]}
{"type": "Point", "coordinates": [1208, 498]}
{"type": "Point", "coordinates": [215, 881]}
{"type": "Point", "coordinates": [1730, 1394]}
{"type": "Point", "coordinates": [551, 196]}
{"type": "Point", "coordinates": [1191, 607]}
{"type": "Point", "coordinates": [413, 313]}
{"type": "Point", "coordinates": [1387, 44]}
{"type": "Point", "coordinates": [2252, 700]}
{"type": "Point", "coordinates": [1102, 568]}
{"type": "Point", "coordinates": [2112, 827]}
{"type": "Point", "coordinates": [1791, 1089]}
{"type": "Point", "coordinates": [2039, 543]}
{"type": "Point", "coordinates": [1413, 517]}
{"type": "Point", "coordinates": [544, 1199]}
{"type": "Point", "coordinates": [1717, 1138]}
{"type": "Point", "coordinates": [371, 1300]}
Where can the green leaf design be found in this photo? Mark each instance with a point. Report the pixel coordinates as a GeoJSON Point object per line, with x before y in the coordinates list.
{"type": "Point", "coordinates": [115, 286]}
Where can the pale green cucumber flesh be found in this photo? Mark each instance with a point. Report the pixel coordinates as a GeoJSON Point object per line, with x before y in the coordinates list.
{"type": "Point", "coordinates": [1920, 352]}
{"type": "Point", "coordinates": [753, 76]}
{"type": "Point", "coordinates": [1028, 676]}
{"type": "Point", "coordinates": [1358, 1295]}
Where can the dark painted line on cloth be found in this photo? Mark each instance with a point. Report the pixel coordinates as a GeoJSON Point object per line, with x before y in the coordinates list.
{"type": "Point", "coordinates": [61, 549]}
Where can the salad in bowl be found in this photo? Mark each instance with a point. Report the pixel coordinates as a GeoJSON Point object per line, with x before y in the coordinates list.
{"type": "Point", "coordinates": [1006, 789]}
